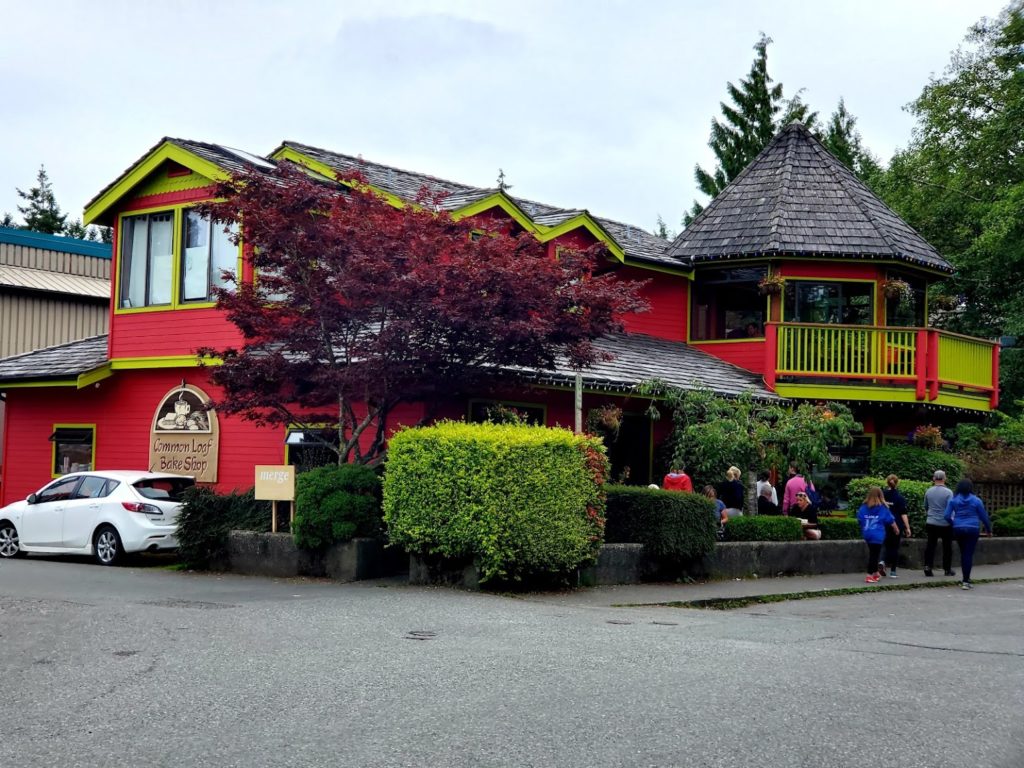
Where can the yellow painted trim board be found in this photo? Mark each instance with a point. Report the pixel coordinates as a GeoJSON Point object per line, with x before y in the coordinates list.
{"type": "Point", "coordinates": [680, 272]}
{"type": "Point", "coordinates": [53, 447]}
{"type": "Point", "coordinates": [879, 394]}
{"type": "Point", "coordinates": [38, 384]}
{"type": "Point", "coordinates": [169, 361]}
{"type": "Point", "coordinates": [505, 203]}
{"type": "Point", "coordinates": [94, 376]}
{"type": "Point", "coordinates": [134, 175]}
{"type": "Point", "coordinates": [586, 222]}
{"type": "Point", "coordinates": [322, 169]}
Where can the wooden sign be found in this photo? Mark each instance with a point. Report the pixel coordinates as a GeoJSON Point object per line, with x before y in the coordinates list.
{"type": "Point", "coordinates": [184, 437]}
{"type": "Point", "coordinates": [275, 482]}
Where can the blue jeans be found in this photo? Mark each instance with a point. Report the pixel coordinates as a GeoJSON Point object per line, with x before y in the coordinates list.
{"type": "Point", "coordinates": [967, 540]}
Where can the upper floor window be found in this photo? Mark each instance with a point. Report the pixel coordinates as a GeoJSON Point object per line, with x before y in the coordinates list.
{"type": "Point", "coordinates": [726, 304]}
{"type": "Point", "coordinates": [843, 303]}
{"type": "Point", "coordinates": [158, 269]}
{"type": "Point", "coordinates": [907, 310]}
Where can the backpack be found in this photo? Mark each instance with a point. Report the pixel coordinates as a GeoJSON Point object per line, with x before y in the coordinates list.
{"type": "Point", "coordinates": [813, 496]}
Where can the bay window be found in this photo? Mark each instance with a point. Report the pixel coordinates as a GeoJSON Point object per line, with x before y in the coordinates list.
{"type": "Point", "coordinates": [151, 259]}
{"type": "Point", "coordinates": [842, 303]}
{"type": "Point", "coordinates": [727, 304]}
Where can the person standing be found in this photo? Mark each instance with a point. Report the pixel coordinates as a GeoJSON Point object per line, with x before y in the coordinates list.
{"type": "Point", "coordinates": [874, 518]}
{"type": "Point", "coordinates": [733, 493]}
{"type": "Point", "coordinates": [967, 514]}
{"type": "Point", "coordinates": [794, 485]}
{"type": "Point", "coordinates": [677, 480]}
{"type": "Point", "coordinates": [935, 500]}
{"type": "Point", "coordinates": [898, 506]}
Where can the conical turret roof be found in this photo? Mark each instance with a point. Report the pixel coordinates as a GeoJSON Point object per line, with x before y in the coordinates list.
{"type": "Point", "coordinates": [797, 198]}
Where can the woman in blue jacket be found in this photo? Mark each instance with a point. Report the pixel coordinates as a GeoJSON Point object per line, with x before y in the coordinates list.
{"type": "Point", "coordinates": [875, 519]}
{"type": "Point", "coordinates": [967, 514]}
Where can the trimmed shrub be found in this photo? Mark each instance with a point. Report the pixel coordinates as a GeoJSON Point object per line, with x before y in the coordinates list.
{"type": "Point", "coordinates": [334, 504]}
{"type": "Point", "coordinates": [764, 528]}
{"type": "Point", "coordinates": [1008, 522]}
{"type": "Point", "coordinates": [522, 502]}
{"type": "Point", "coordinates": [908, 462]}
{"type": "Point", "coordinates": [835, 528]}
{"type": "Point", "coordinates": [913, 491]}
{"type": "Point", "coordinates": [205, 519]}
{"type": "Point", "coordinates": [670, 525]}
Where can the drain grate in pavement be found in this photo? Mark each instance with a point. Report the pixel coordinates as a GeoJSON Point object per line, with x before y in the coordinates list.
{"type": "Point", "coordinates": [420, 634]}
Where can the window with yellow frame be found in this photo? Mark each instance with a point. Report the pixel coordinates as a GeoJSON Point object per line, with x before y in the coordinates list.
{"type": "Point", "coordinates": [173, 257]}
{"type": "Point", "coordinates": [74, 448]}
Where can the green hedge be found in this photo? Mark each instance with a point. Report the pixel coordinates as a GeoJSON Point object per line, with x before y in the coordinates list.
{"type": "Point", "coordinates": [913, 491]}
{"type": "Point", "coordinates": [522, 502]}
{"type": "Point", "coordinates": [908, 462]}
{"type": "Point", "coordinates": [670, 525]}
{"type": "Point", "coordinates": [1008, 522]}
{"type": "Point", "coordinates": [835, 528]}
{"type": "Point", "coordinates": [205, 519]}
{"type": "Point", "coordinates": [334, 504]}
{"type": "Point", "coordinates": [764, 528]}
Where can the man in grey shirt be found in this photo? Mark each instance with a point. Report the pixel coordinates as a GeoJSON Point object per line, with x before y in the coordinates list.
{"type": "Point", "coordinates": [935, 500]}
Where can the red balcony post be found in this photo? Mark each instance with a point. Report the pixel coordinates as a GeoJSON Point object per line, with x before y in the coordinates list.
{"type": "Point", "coordinates": [933, 365]}
{"type": "Point", "coordinates": [993, 400]}
{"type": "Point", "coordinates": [771, 342]}
{"type": "Point", "coordinates": [921, 363]}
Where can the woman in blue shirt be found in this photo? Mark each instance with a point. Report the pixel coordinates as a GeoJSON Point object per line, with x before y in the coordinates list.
{"type": "Point", "coordinates": [967, 514]}
{"type": "Point", "coordinates": [874, 518]}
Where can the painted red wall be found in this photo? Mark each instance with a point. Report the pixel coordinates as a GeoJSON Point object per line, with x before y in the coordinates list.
{"type": "Point", "coordinates": [170, 332]}
{"type": "Point", "coordinates": [668, 299]}
{"type": "Point", "coordinates": [745, 354]}
{"type": "Point", "coordinates": [122, 409]}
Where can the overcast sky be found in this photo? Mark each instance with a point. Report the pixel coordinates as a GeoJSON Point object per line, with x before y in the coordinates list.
{"type": "Point", "coordinates": [594, 104]}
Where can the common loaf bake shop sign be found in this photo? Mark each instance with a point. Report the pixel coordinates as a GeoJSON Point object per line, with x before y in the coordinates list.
{"type": "Point", "coordinates": [185, 436]}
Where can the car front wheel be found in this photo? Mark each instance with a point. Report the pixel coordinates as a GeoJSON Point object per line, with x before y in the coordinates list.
{"type": "Point", "coordinates": [9, 540]}
{"type": "Point", "coordinates": [106, 547]}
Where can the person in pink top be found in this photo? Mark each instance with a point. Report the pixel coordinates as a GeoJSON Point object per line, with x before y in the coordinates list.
{"type": "Point", "coordinates": [796, 484]}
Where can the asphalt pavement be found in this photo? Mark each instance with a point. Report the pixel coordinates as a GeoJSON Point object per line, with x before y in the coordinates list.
{"type": "Point", "coordinates": [143, 666]}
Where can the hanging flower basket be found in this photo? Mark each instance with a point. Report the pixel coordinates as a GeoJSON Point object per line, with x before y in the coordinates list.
{"type": "Point", "coordinates": [898, 290]}
{"type": "Point", "coordinates": [771, 285]}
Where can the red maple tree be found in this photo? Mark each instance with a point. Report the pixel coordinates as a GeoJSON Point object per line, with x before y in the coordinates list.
{"type": "Point", "coordinates": [359, 305]}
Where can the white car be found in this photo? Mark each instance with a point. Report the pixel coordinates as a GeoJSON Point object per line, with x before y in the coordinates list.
{"type": "Point", "coordinates": [103, 514]}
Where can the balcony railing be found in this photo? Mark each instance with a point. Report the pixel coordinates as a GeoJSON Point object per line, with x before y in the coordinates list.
{"type": "Point", "coordinates": [925, 358]}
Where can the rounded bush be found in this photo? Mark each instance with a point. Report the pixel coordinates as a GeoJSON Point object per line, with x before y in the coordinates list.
{"type": "Point", "coordinates": [764, 528]}
{"type": "Point", "coordinates": [1008, 522]}
{"type": "Point", "coordinates": [334, 504]}
{"type": "Point", "coordinates": [522, 502]}
{"type": "Point", "coordinates": [205, 519]}
{"type": "Point", "coordinates": [670, 525]}
{"type": "Point", "coordinates": [908, 462]}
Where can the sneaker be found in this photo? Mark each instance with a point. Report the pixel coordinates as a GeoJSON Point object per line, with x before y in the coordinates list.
{"type": "Point", "coordinates": [965, 585]}
{"type": "Point", "coordinates": [950, 573]}
{"type": "Point", "coordinates": [872, 578]}
{"type": "Point", "coordinates": [928, 572]}
{"type": "Point", "coordinates": [893, 575]}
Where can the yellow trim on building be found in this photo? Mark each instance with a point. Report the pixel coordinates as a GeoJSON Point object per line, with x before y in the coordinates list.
{"type": "Point", "coordinates": [167, 361]}
{"type": "Point", "coordinates": [840, 392]}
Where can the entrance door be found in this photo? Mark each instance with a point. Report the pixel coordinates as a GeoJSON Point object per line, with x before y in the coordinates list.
{"type": "Point", "coordinates": [630, 452]}
{"type": "Point", "coordinates": [41, 524]}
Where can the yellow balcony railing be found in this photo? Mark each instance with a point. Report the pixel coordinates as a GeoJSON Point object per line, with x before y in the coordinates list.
{"type": "Point", "coordinates": [928, 359]}
{"type": "Point", "coordinates": [846, 351]}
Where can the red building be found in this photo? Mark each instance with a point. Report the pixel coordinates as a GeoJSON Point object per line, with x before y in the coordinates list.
{"type": "Point", "coordinates": [795, 282]}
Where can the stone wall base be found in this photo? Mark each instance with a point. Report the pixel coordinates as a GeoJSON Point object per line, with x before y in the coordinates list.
{"type": "Point", "coordinates": [275, 554]}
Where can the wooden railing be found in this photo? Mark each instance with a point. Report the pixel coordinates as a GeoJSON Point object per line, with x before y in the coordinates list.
{"type": "Point", "coordinates": [923, 357]}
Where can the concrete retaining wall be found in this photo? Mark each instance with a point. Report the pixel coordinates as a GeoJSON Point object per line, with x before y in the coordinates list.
{"type": "Point", "coordinates": [275, 554]}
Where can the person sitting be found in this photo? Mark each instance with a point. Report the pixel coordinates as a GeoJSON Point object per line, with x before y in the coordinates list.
{"type": "Point", "coordinates": [763, 481]}
{"type": "Point", "coordinates": [677, 480]}
{"type": "Point", "coordinates": [805, 509]}
{"type": "Point", "coordinates": [765, 505]}
{"type": "Point", "coordinates": [721, 514]}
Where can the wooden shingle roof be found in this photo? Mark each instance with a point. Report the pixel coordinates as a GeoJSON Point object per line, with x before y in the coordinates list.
{"type": "Point", "coordinates": [796, 198]}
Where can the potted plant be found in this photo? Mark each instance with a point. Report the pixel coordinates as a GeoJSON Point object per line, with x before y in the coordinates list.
{"type": "Point", "coordinates": [771, 285]}
{"type": "Point", "coordinates": [898, 290]}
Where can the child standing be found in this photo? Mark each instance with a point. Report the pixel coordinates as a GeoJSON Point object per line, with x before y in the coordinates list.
{"type": "Point", "coordinates": [875, 519]}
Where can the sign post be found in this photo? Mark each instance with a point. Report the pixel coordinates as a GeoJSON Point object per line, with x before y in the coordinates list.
{"type": "Point", "coordinates": [274, 483]}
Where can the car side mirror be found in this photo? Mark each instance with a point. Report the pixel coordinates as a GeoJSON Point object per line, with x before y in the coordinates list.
{"type": "Point", "coordinates": [32, 498]}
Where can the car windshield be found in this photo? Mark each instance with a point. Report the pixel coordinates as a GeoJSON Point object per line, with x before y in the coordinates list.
{"type": "Point", "coordinates": [164, 488]}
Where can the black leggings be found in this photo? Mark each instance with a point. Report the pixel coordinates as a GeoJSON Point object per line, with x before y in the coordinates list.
{"type": "Point", "coordinates": [936, 532]}
{"type": "Point", "coordinates": [892, 549]}
{"type": "Point", "coordinates": [874, 550]}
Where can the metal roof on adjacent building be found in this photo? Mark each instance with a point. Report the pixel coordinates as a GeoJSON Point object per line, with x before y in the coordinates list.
{"type": "Point", "coordinates": [59, 243]}
{"type": "Point", "coordinates": [54, 282]}
{"type": "Point", "coordinates": [796, 198]}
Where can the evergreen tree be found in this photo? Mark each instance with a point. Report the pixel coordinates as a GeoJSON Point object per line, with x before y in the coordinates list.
{"type": "Point", "coordinates": [843, 140]}
{"type": "Point", "coordinates": [41, 212]}
{"type": "Point", "coordinates": [757, 112]}
{"type": "Point", "coordinates": [7, 221]}
{"type": "Point", "coordinates": [662, 230]}
{"type": "Point", "coordinates": [75, 228]}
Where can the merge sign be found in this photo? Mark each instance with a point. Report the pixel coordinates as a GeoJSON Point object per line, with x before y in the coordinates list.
{"type": "Point", "coordinates": [275, 482]}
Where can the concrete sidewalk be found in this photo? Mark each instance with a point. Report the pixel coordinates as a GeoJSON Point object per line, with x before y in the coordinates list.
{"type": "Point", "coordinates": [633, 594]}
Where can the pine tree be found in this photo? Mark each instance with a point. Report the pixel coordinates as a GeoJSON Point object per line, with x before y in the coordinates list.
{"type": "Point", "coordinates": [42, 214]}
{"type": "Point", "coordinates": [758, 111]}
{"type": "Point", "coordinates": [7, 221]}
{"type": "Point", "coordinates": [843, 140]}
